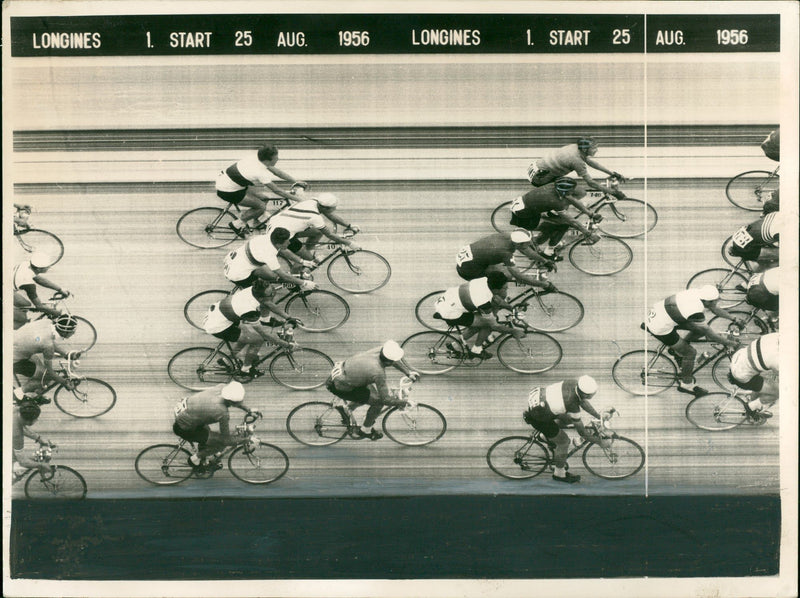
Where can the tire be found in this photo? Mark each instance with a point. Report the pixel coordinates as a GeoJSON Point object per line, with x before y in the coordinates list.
{"type": "Point", "coordinates": [34, 240]}
{"type": "Point", "coordinates": [735, 261]}
{"type": "Point", "coordinates": [604, 258]}
{"type": "Point", "coordinates": [624, 459]}
{"type": "Point", "coordinates": [628, 372]}
{"type": "Point", "coordinates": [628, 218]}
{"type": "Point", "coordinates": [316, 424]}
{"type": "Point", "coordinates": [755, 326]}
{"type": "Point", "coordinates": [504, 458]}
{"type": "Point", "coordinates": [360, 271]}
{"type": "Point", "coordinates": [535, 353]}
{"type": "Point", "coordinates": [83, 339]}
{"type": "Point", "coordinates": [198, 368]}
{"type": "Point", "coordinates": [553, 312]}
{"type": "Point", "coordinates": [194, 228]}
{"type": "Point", "coordinates": [264, 465]}
{"type": "Point", "coordinates": [196, 308]}
{"type": "Point", "coordinates": [90, 398]}
{"type": "Point", "coordinates": [425, 310]}
{"type": "Point", "coordinates": [426, 352]}
{"type": "Point", "coordinates": [63, 483]}
{"type": "Point", "coordinates": [726, 281]}
{"type": "Point", "coordinates": [501, 218]}
{"type": "Point", "coordinates": [164, 464]}
{"type": "Point", "coordinates": [744, 190]}
{"type": "Point", "coordinates": [418, 426]}
{"type": "Point", "coordinates": [719, 371]}
{"type": "Point", "coordinates": [716, 411]}
{"type": "Point", "coordinates": [302, 369]}
{"type": "Point", "coordinates": [320, 311]}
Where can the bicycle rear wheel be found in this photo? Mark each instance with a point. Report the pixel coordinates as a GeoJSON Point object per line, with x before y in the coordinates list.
{"type": "Point", "coordinates": [316, 424]}
{"type": "Point", "coordinates": [621, 460]}
{"type": "Point", "coordinates": [732, 285]}
{"type": "Point", "coordinates": [415, 426]}
{"type": "Point", "coordinates": [198, 368]}
{"type": "Point", "coordinates": [33, 240]}
{"type": "Point", "coordinates": [534, 353]}
{"type": "Point", "coordinates": [748, 190]}
{"type": "Point", "coordinates": [164, 464]}
{"type": "Point", "coordinates": [425, 309]}
{"type": "Point", "coordinates": [89, 398]}
{"type": "Point", "coordinates": [754, 327]}
{"type": "Point", "coordinates": [360, 271]}
{"type": "Point", "coordinates": [431, 352]}
{"type": "Point", "coordinates": [262, 465]}
{"type": "Point", "coordinates": [501, 218]}
{"type": "Point", "coordinates": [301, 369]}
{"type": "Point", "coordinates": [83, 339]}
{"type": "Point", "coordinates": [62, 483]}
{"type": "Point", "coordinates": [633, 369]}
{"type": "Point", "coordinates": [196, 308]}
{"type": "Point", "coordinates": [716, 411]}
{"type": "Point", "coordinates": [553, 312]}
{"type": "Point", "coordinates": [206, 228]}
{"type": "Point", "coordinates": [628, 218]}
{"type": "Point", "coordinates": [517, 458]}
{"type": "Point", "coordinates": [320, 311]}
{"type": "Point", "coordinates": [604, 258]}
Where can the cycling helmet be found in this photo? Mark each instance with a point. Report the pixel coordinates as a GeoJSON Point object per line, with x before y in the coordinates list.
{"type": "Point", "coordinates": [233, 391]}
{"type": "Point", "coordinates": [586, 386]}
{"type": "Point", "coordinates": [66, 323]}
{"type": "Point", "coordinates": [586, 143]}
{"type": "Point", "coordinates": [479, 291]}
{"type": "Point", "coordinates": [708, 293]}
{"type": "Point", "coordinates": [29, 410]}
{"type": "Point", "coordinates": [520, 235]}
{"type": "Point", "coordinates": [391, 351]}
{"type": "Point", "coordinates": [327, 200]}
{"type": "Point", "coordinates": [496, 279]}
{"type": "Point", "coordinates": [40, 259]}
{"type": "Point", "coordinates": [565, 184]}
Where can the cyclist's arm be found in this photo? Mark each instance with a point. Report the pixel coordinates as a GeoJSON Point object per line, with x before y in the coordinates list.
{"type": "Point", "coordinates": [586, 434]}
{"type": "Point", "coordinates": [579, 205]}
{"type": "Point", "coordinates": [25, 459]}
{"type": "Point", "coordinates": [572, 222]}
{"type": "Point", "coordinates": [597, 166]}
{"type": "Point", "coordinates": [33, 297]}
{"type": "Point", "coordinates": [48, 355]}
{"type": "Point", "coordinates": [268, 336]}
{"type": "Point", "coordinates": [520, 277]}
{"type": "Point", "coordinates": [291, 256]}
{"type": "Point", "coordinates": [269, 274]}
{"type": "Point", "coordinates": [402, 367]}
{"type": "Point", "coordinates": [499, 302]}
{"type": "Point", "coordinates": [275, 309]}
{"type": "Point", "coordinates": [285, 176]}
{"type": "Point", "coordinates": [47, 283]}
{"type": "Point", "coordinates": [334, 217]}
{"type": "Point", "coordinates": [385, 395]}
{"type": "Point", "coordinates": [704, 330]}
{"type": "Point", "coordinates": [278, 191]}
{"type": "Point", "coordinates": [336, 238]}
{"type": "Point", "coordinates": [595, 185]}
{"type": "Point", "coordinates": [719, 311]}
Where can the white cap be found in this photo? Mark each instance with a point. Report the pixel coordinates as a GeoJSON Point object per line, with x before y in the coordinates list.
{"type": "Point", "coordinates": [233, 391]}
{"type": "Point", "coordinates": [519, 235]}
{"type": "Point", "coordinates": [392, 351]}
{"type": "Point", "coordinates": [708, 293]}
{"type": "Point", "coordinates": [479, 291]}
{"type": "Point", "coordinates": [40, 259]}
{"type": "Point", "coordinates": [327, 200]}
{"type": "Point", "coordinates": [587, 386]}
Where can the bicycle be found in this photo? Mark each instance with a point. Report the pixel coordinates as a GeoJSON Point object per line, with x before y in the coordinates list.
{"type": "Point", "coordinates": [525, 457]}
{"type": "Point", "coordinates": [34, 240]}
{"type": "Point", "coordinates": [719, 411]}
{"type": "Point", "coordinates": [547, 311]}
{"type": "Point", "coordinates": [60, 483]}
{"type": "Point", "coordinates": [749, 190]}
{"type": "Point", "coordinates": [622, 218]}
{"type": "Point", "coordinates": [251, 460]}
{"type": "Point", "coordinates": [85, 335]}
{"type": "Point", "coordinates": [730, 282]}
{"type": "Point", "coordinates": [197, 368]}
{"type": "Point", "coordinates": [438, 352]}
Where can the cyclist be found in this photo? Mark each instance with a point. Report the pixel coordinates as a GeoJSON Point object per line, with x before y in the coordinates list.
{"type": "Point", "coordinates": [25, 277]}
{"type": "Point", "coordinates": [552, 408]}
{"type": "Point", "coordinates": [470, 305]}
{"type": "Point", "coordinates": [35, 349]}
{"type": "Point", "coordinates": [573, 157]}
{"type": "Point", "coordinates": [194, 415]}
{"type": "Point", "coordinates": [771, 146]}
{"type": "Point", "coordinates": [235, 184]}
{"type": "Point", "coordinates": [550, 199]}
{"type": "Point", "coordinates": [756, 241]}
{"type": "Point", "coordinates": [25, 415]}
{"type": "Point", "coordinates": [233, 319]}
{"type": "Point", "coordinates": [495, 253]}
{"type": "Point", "coordinates": [763, 289]}
{"type": "Point", "coordinates": [685, 310]}
{"type": "Point", "coordinates": [22, 212]}
{"type": "Point", "coordinates": [748, 368]}
{"type": "Point", "coordinates": [361, 380]}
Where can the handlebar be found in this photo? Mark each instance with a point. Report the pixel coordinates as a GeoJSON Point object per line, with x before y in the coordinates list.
{"type": "Point", "coordinates": [251, 417]}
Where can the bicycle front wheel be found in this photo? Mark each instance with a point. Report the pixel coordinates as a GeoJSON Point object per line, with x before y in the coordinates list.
{"type": "Point", "coordinates": [206, 228]}
{"type": "Point", "coordinates": [34, 240]}
{"type": "Point", "coordinates": [517, 458]}
{"type": "Point", "coordinates": [360, 271]}
{"type": "Point", "coordinates": [604, 258]}
{"type": "Point", "coordinates": [716, 411]}
{"type": "Point", "coordinates": [83, 339]}
{"type": "Point", "coordinates": [196, 308]}
{"type": "Point", "coordinates": [749, 189]}
{"type": "Point", "coordinates": [62, 483]}
{"type": "Point", "coordinates": [754, 326]}
{"type": "Point", "coordinates": [198, 368]}
{"type": "Point", "coordinates": [732, 285]}
{"type": "Point", "coordinates": [320, 311]}
{"type": "Point", "coordinates": [720, 370]}
{"type": "Point", "coordinates": [534, 353]}
{"type": "Point", "coordinates": [301, 369]}
{"type": "Point", "coordinates": [164, 464]}
{"type": "Point", "coordinates": [644, 372]}
{"type": "Point", "coordinates": [432, 352]}
{"type": "Point", "coordinates": [89, 398]}
{"type": "Point", "coordinates": [621, 460]}
{"type": "Point", "coordinates": [415, 426]}
{"type": "Point", "coordinates": [554, 312]}
{"type": "Point", "coordinates": [316, 424]}
{"type": "Point", "coordinates": [501, 218]}
{"type": "Point", "coordinates": [628, 218]}
{"type": "Point", "coordinates": [425, 309]}
{"type": "Point", "coordinates": [262, 464]}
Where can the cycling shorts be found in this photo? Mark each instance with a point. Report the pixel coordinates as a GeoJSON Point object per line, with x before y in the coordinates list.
{"type": "Point", "coordinates": [668, 339]}
{"type": "Point", "coordinates": [356, 395]}
{"type": "Point", "coordinates": [542, 421]}
{"type": "Point", "coordinates": [526, 222]}
{"type": "Point", "coordinates": [759, 296]}
{"type": "Point", "coordinates": [541, 177]}
{"type": "Point", "coordinates": [466, 319]}
{"type": "Point", "coordinates": [198, 434]}
{"type": "Point", "coordinates": [234, 197]}
{"type": "Point", "coordinates": [24, 367]}
{"type": "Point", "coordinates": [230, 334]}
{"type": "Point", "coordinates": [471, 270]}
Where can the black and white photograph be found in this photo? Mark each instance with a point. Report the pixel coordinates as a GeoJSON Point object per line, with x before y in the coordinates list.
{"type": "Point", "coordinates": [400, 298]}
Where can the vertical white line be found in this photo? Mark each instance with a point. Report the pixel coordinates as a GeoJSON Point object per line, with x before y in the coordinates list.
{"type": "Point", "coordinates": [646, 395]}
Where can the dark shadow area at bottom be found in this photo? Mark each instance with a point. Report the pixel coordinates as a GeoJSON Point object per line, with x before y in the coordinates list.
{"type": "Point", "coordinates": [457, 537]}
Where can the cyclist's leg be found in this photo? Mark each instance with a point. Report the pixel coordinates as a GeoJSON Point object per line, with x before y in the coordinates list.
{"type": "Point", "coordinates": [235, 198]}
{"type": "Point", "coordinates": [471, 271]}
{"type": "Point", "coordinates": [247, 345]}
{"type": "Point", "coordinates": [21, 306]}
{"type": "Point", "coordinates": [684, 349]}
{"type": "Point", "coordinates": [762, 385]}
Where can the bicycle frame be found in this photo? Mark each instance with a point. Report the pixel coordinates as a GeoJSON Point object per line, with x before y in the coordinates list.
{"type": "Point", "coordinates": [699, 363]}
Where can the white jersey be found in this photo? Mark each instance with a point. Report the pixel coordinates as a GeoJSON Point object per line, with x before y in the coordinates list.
{"type": "Point", "coordinates": [467, 297]}
{"type": "Point", "coordinates": [241, 303]}
{"type": "Point", "coordinates": [33, 338]}
{"type": "Point", "coordinates": [256, 252]}
{"type": "Point", "coordinates": [676, 309]}
{"type": "Point", "coordinates": [771, 279]}
{"type": "Point", "coordinates": [302, 216]}
{"type": "Point", "coordinates": [761, 355]}
{"type": "Point", "coordinates": [247, 170]}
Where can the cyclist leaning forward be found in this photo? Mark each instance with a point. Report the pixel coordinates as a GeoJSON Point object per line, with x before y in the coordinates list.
{"type": "Point", "coordinates": [755, 368]}
{"type": "Point", "coordinates": [257, 259]}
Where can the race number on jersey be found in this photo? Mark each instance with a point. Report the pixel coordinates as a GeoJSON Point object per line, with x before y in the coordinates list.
{"type": "Point", "coordinates": [181, 406]}
{"type": "Point", "coordinates": [742, 238]}
{"type": "Point", "coordinates": [535, 398]}
{"type": "Point", "coordinates": [464, 255]}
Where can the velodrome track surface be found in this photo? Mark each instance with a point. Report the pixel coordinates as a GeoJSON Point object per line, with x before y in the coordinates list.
{"type": "Point", "coordinates": [131, 276]}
